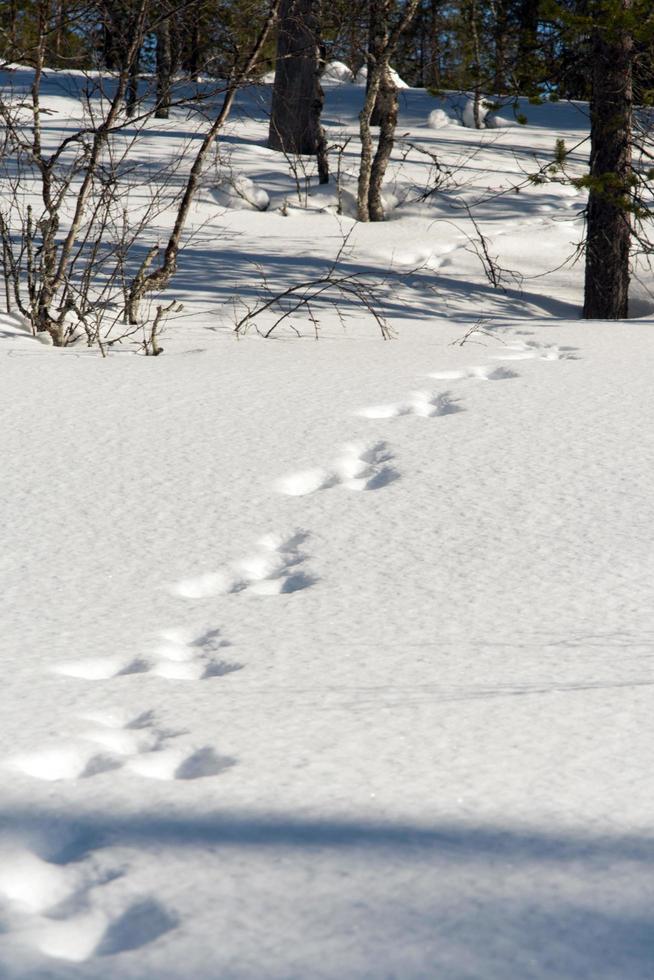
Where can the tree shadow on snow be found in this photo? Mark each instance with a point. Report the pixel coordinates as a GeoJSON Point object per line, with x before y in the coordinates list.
{"type": "Point", "coordinates": [227, 274]}
{"type": "Point", "coordinates": [466, 901]}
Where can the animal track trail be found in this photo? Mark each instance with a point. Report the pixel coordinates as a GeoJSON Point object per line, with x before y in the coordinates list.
{"type": "Point", "coordinates": [480, 373]}
{"type": "Point", "coordinates": [51, 905]}
{"type": "Point", "coordinates": [530, 350]}
{"type": "Point", "coordinates": [95, 933]}
{"type": "Point", "coordinates": [424, 404]}
{"type": "Point", "coordinates": [135, 745]}
{"type": "Point", "coordinates": [178, 656]}
{"type": "Point", "coordinates": [181, 656]}
{"type": "Point", "coordinates": [359, 467]}
{"type": "Point", "coordinates": [276, 568]}
{"type": "Point", "coordinates": [34, 884]}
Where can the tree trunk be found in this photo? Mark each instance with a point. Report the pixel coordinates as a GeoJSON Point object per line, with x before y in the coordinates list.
{"type": "Point", "coordinates": [195, 46]}
{"type": "Point", "coordinates": [164, 69]}
{"type": "Point", "coordinates": [380, 11]}
{"type": "Point", "coordinates": [434, 77]}
{"type": "Point", "coordinates": [608, 234]}
{"type": "Point", "coordinates": [132, 94]}
{"type": "Point", "coordinates": [380, 90]}
{"type": "Point", "coordinates": [473, 25]}
{"type": "Point", "coordinates": [386, 108]}
{"type": "Point", "coordinates": [297, 97]}
{"type": "Point", "coordinates": [501, 40]}
{"type": "Point", "coordinates": [528, 15]}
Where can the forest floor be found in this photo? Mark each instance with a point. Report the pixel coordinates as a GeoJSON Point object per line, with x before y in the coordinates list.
{"type": "Point", "coordinates": [333, 659]}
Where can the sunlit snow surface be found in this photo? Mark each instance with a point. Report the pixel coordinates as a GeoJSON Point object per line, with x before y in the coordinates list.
{"type": "Point", "coordinates": [258, 724]}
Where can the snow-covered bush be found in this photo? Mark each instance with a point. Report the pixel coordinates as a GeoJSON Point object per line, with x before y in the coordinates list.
{"type": "Point", "coordinates": [239, 192]}
{"type": "Point", "coordinates": [343, 199]}
{"type": "Point", "coordinates": [468, 117]}
{"type": "Point", "coordinates": [336, 71]}
{"type": "Point", "coordinates": [493, 121]}
{"type": "Point", "coordinates": [362, 76]}
{"type": "Point", "coordinates": [438, 119]}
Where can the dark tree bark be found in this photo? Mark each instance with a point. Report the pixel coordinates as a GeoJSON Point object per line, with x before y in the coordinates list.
{"type": "Point", "coordinates": [132, 94]}
{"type": "Point", "coordinates": [528, 14]}
{"type": "Point", "coordinates": [609, 213]}
{"type": "Point", "coordinates": [501, 42]}
{"type": "Point", "coordinates": [109, 45]}
{"type": "Point", "coordinates": [378, 27]}
{"type": "Point", "coordinates": [434, 76]}
{"type": "Point", "coordinates": [195, 47]}
{"type": "Point", "coordinates": [164, 69]}
{"type": "Point", "coordinates": [297, 98]}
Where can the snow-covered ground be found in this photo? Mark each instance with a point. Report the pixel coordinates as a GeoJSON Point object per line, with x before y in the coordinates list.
{"type": "Point", "coordinates": [334, 659]}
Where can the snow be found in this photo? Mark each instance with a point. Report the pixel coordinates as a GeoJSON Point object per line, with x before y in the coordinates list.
{"type": "Point", "coordinates": [468, 117]}
{"type": "Point", "coordinates": [362, 75]}
{"type": "Point", "coordinates": [438, 119]}
{"type": "Point", "coordinates": [331, 659]}
{"type": "Point", "coordinates": [336, 71]}
{"type": "Point", "coordinates": [238, 191]}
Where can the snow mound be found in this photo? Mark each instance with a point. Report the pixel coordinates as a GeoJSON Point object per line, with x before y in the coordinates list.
{"type": "Point", "coordinates": [239, 192]}
{"type": "Point", "coordinates": [438, 119]}
{"type": "Point", "coordinates": [469, 113]}
{"type": "Point", "coordinates": [641, 300]}
{"type": "Point", "coordinates": [493, 121]}
{"type": "Point", "coordinates": [325, 197]}
{"type": "Point", "coordinates": [362, 76]}
{"type": "Point", "coordinates": [338, 72]}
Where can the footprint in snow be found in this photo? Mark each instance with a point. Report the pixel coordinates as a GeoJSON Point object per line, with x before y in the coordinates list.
{"type": "Point", "coordinates": [114, 743]}
{"type": "Point", "coordinates": [175, 764]}
{"type": "Point", "coordinates": [141, 923]}
{"type": "Point", "coordinates": [481, 373]}
{"type": "Point", "coordinates": [179, 656]}
{"type": "Point", "coordinates": [531, 350]}
{"type": "Point", "coordinates": [40, 884]}
{"type": "Point", "coordinates": [276, 568]}
{"type": "Point", "coordinates": [424, 404]}
{"type": "Point", "coordinates": [359, 467]}
{"type": "Point", "coordinates": [184, 657]}
{"type": "Point", "coordinates": [101, 668]}
{"type": "Point", "coordinates": [50, 903]}
{"type": "Point", "coordinates": [94, 933]}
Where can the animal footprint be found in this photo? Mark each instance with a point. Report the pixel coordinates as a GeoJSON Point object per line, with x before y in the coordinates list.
{"type": "Point", "coordinates": [125, 738]}
{"type": "Point", "coordinates": [482, 373]}
{"type": "Point", "coordinates": [35, 885]}
{"type": "Point", "coordinates": [179, 656]}
{"type": "Point", "coordinates": [93, 933]}
{"type": "Point", "coordinates": [276, 568]}
{"type": "Point", "coordinates": [48, 900]}
{"type": "Point", "coordinates": [64, 761]}
{"type": "Point", "coordinates": [175, 764]}
{"type": "Point", "coordinates": [359, 467]}
{"type": "Point", "coordinates": [115, 743]}
{"type": "Point", "coordinates": [101, 668]}
{"type": "Point", "coordinates": [140, 924]}
{"type": "Point", "coordinates": [424, 404]}
{"type": "Point", "coordinates": [531, 350]}
{"type": "Point", "coordinates": [74, 939]}
{"type": "Point", "coordinates": [184, 657]}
